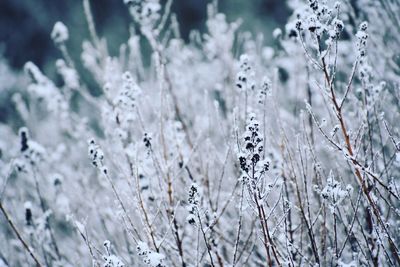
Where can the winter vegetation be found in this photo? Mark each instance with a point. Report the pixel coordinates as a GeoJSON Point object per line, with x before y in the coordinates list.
{"type": "Point", "coordinates": [219, 151]}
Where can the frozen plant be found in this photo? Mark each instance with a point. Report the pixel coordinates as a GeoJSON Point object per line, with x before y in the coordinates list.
{"type": "Point", "coordinates": [212, 151]}
{"type": "Point", "coordinates": [151, 258]}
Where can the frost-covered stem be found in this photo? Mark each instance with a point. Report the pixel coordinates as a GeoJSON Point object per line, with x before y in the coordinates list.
{"type": "Point", "coordinates": [369, 127]}
{"type": "Point", "coordinates": [247, 242]}
{"type": "Point", "coordinates": [354, 161]}
{"type": "Point", "coordinates": [364, 235]}
{"type": "Point", "coordinates": [309, 100]}
{"type": "Point", "coordinates": [43, 207]}
{"type": "Point", "coordinates": [146, 217]}
{"type": "Point", "coordinates": [175, 227]}
{"type": "Point", "coordinates": [290, 253]}
{"type": "Point", "coordinates": [6, 179]}
{"type": "Point", "coordinates": [239, 228]}
{"type": "Point", "coordinates": [303, 214]}
{"type": "Point", "coordinates": [304, 178]}
{"type": "Point", "coordinates": [157, 49]}
{"type": "Point", "coordinates": [170, 210]}
{"type": "Point", "coordinates": [67, 57]}
{"type": "Point", "coordinates": [87, 242]}
{"type": "Point", "coordinates": [307, 224]}
{"type": "Point", "coordinates": [348, 87]}
{"type": "Point", "coordinates": [396, 144]}
{"type": "Point", "coordinates": [349, 147]}
{"type": "Point", "coordinates": [165, 16]}
{"type": "Point", "coordinates": [306, 51]}
{"type": "Point", "coordinates": [208, 246]}
{"type": "Point", "coordinates": [221, 177]}
{"type": "Point", "coordinates": [19, 236]}
{"type": "Point", "coordinates": [382, 147]}
{"type": "Point", "coordinates": [177, 110]}
{"type": "Point", "coordinates": [336, 236]}
{"type": "Point", "coordinates": [350, 230]}
{"type": "Point", "coordinates": [265, 238]}
{"type": "Point", "coordinates": [298, 195]}
{"type": "Point", "coordinates": [178, 241]}
{"type": "Point", "coordinates": [117, 196]}
{"type": "Point", "coordinates": [288, 218]}
{"type": "Point", "coordinates": [90, 22]}
{"type": "Point", "coordinates": [246, 99]}
{"type": "Point", "coordinates": [273, 247]}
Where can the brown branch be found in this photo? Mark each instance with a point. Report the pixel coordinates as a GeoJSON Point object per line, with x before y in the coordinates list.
{"type": "Point", "coordinates": [358, 175]}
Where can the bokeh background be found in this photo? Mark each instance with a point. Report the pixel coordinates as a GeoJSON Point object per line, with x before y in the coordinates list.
{"type": "Point", "coordinates": [25, 25]}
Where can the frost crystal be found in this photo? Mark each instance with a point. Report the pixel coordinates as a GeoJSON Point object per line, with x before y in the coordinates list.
{"type": "Point", "coordinates": [212, 158]}
{"type": "Point", "coordinates": [59, 33]}
{"type": "Point", "coordinates": [126, 100]}
{"type": "Point", "coordinates": [43, 88]}
{"type": "Point", "coordinates": [69, 75]}
{"type": "Point", "coordinates": [151, 258]}
{"type": "Point", "coordinates": [110, 260]}
{"type": "Point", "coordinates": [334, 194]}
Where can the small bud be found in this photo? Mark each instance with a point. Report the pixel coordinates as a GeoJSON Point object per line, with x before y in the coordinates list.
{"type": "Point", "coordinates": [59, 33]}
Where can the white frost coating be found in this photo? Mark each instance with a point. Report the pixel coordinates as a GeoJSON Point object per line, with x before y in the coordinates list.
{"type": "Point", "coordinates": [28, 205]}
{"type": "Point", "coordinates": [44, 88]}
{"type": "Point", "coordinates": [2, 263]}
{"type": "Point", "coordinates": [150, 257]}
{"type": "Point", "coordinates": [80, 227]}
{"type": "Point", "coordinates": [70, 76]}
{"type": "Point", "coordinates": [350, 264]}
{"type": "Point", "coordinates": [334, 194]}
{"type": "Point", "coordinates": [112, 261]}
{"type": "Point", "coordinates": [59, 33]}
{"type": "Point", "coordinates": [398, 158]}
{"type": "Point", "coordinates": [190, 171]}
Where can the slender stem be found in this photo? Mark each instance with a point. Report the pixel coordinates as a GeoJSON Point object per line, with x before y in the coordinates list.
{"type": "Point", "coordinates": [19, 236]}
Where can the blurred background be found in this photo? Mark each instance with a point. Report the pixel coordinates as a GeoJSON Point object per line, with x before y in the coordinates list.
{"type": "Point", "coordinates": [25, 26]}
